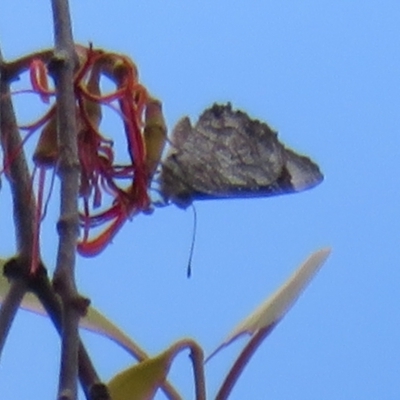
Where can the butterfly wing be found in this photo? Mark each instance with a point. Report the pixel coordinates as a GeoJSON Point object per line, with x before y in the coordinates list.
{"type": "Point", "coordinates": [228, 155]}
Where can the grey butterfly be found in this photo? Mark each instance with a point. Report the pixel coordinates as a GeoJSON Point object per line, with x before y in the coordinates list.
{"type": "Point", "coordinates": [226, 154]}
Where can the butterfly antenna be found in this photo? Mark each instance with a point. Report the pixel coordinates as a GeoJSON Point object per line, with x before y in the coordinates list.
{"type": "Point", "coordinates": [189, 265]}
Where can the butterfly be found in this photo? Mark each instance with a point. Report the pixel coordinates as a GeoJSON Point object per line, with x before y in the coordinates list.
{"type": "Point", "coordinates": [226, 154]}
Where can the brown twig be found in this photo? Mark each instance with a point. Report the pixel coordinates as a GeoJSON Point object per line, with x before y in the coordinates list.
{"type": "Point", "coordinates": [9, 308]}
{"type": "Point", "coordinates": [20, 183]}
{"type": "Point", "coordinates": [23, 209]}
{"type": "Point", "coordinates": [40, 285]}
{"type": "Point", "coordinates": [17, 173]}
{"type": "Point", "coordinates": [62, 68]}
{"type": "Point", "coordinates": [87, 374]}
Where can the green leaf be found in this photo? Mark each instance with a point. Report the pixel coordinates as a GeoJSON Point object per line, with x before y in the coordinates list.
{"type": "Point", "coordinates": [272, 310]}
{"type": "Point", "coordinates": [98, 323]}
{"type": "Point", "coordinates": [94, 320]}
{"type": "Point", "coordinates": [141, 381]}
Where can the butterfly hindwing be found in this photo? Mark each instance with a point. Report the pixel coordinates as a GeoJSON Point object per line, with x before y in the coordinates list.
{"type": "Point", "coordinates": [229, 155]}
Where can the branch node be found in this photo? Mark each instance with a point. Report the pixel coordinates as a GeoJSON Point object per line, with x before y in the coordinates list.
{"type": "Point", "coordinates": [66, 222]}
{"type": "Point", "coordinates": [68, 166]}
{"type": "Point", "coordinates": [13, 269]}
{"type": "Point", "coordinates": [66, 395]}
{"type": "Point", "coordinates": [59, 60]}
{"type": "Point", "coordinates": [81, 304]}
{"type": "Point", "coordinates": [77, 302]}
{"type": "Point", "coordinates": [99, 391]}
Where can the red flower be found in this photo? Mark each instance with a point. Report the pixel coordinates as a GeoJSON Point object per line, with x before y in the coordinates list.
{"type": "Point", "coordinates": [101, 178]}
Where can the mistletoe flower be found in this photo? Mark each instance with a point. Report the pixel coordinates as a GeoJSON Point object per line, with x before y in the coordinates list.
{"type": "Point", "coordinates": [110, 192]}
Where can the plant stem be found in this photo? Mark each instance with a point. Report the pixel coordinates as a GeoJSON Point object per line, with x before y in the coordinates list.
{"type": "Point", "coordinates": [20, 182]}
{"type": "Point", "coordinates": [62, 67]}
{"type": "Point", "coordinates": [51, 302]}
{"type": "Point", "coordinates": [242, 360]}
{"type": "Point", "coordinates": [23, 203]}
{"type": "Point", "coordinates": [17, 173]}
{"type": "Point", "coordinates": [197, 357]}
{"type": "Point", "coordinates": [9, 308]}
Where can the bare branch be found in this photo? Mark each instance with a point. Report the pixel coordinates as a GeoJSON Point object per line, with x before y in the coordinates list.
{"type": "Point", "coordinates": [23, 203]}
{"type": "Point", "coordinates": [62, 67]}
{"type": "Point", "coordinates": [9, 309]}
{"type": "Point", "coordinates": [17, 173]}
{"type": "Point", "coordinates": [51, 302]}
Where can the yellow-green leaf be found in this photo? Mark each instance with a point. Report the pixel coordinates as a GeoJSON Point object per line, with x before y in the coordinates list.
{"type": "Point", "coordinates": [141, 381]}
{"type": "Point", "coordinates": [276, 306]}
{"type": "Point", "coordinates": [94, 320]}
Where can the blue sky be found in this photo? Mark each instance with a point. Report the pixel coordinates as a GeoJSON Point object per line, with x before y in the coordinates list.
{"type": "Point", "coordinates": [324, 74]}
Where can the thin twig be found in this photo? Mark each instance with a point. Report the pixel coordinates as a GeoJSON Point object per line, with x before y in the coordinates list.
{"type": "Point", "coordinates": [40, 285]}
{"type": "Point", "coordinates": [9, 308]}
{"type": "Point", "coordinates": [87, 374]}
{"type": "Point", "coordinates": [17, 173]}
{"type": "Point", "coordinates": [23, 203]}
{"type": "Point", "coordinates": [62, 68]}
{"type": "Point", "coordinates": [20, 183]}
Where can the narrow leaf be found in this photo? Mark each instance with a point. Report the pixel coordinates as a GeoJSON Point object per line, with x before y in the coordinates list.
{"type": "Point", "coordinates": [272, 310]}
{"type": "Point", "coordinates": [141, 381]}
{"type": "Point", "coordinates": [94, 320]}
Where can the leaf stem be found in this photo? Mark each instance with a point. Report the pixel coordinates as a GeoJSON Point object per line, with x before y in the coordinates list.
{"type": "Point", "coordinates": [241, 362]}
{"type": "Point", "coordinates": [197, 357]}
